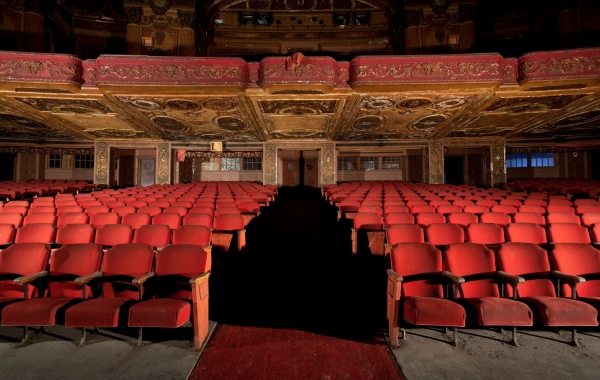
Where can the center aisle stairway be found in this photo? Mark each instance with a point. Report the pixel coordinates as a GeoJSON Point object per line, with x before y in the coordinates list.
{"type": "Point", "coordinates": [295, 304]}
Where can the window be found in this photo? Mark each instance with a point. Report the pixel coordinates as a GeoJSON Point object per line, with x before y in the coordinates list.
{"type": "Point", "coordinates": [369, 163]}
{"type": "Point", "coordinates": [210, 164]}
{"type": "Point", "coordinates": [264, 19]}
{"type": "Point", "coordinates": [361, 18]}
{"type": "Point", "coordinates": [516, 160]}
{"type": "Point", "coordinates": [246, 18]}
{"type": "Point", "coordinates": [84, 161]}
{"type": "Point", "coordinates": [542, 159]}
{"type": "Point", "coordinates": [252, 163]}
{"type": "Point", "coordinates": [340, 18]}
{"type": "Point", "coordinates": [391, 163]}
{"type": "Point", "coordinates": [55, 161]}
{"type": "Point", "coordinates": [347, 163]}
{"type": "Point", "coordinates": [230, 163]}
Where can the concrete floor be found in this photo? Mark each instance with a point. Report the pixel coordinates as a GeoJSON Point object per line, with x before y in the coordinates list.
{"type": "Point", "coordinates": [166, 354]}
{"type": "Point", "coordinates": [487, 354]}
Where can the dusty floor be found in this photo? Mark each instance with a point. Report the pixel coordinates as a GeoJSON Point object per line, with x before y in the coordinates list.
{"type": "Point", "coordinates": [487, 354]}
{"type": "Point", "coordinates": [108, 355]}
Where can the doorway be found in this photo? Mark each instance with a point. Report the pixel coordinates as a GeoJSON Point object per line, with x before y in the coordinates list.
{"type": "Point", "coordinates": [7, 166]}
{"type": "Point", "coordinates": [290, 171]}
{"type": "Point", "coordinates": [454, 170]}
{"type": "Point", "coordinates": [147, 172]}
{"type": "Point", "coordinates": [311, 171]}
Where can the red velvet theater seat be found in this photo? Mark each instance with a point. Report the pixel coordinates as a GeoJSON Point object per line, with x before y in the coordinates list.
{"type": "Point", "coordinates": [124, 269]}
{"type": "Point", "coordinates": [36, 233]}
{"type": "Point", "coordinates": [71, 268]}
{"type": "Point", "coordinates": [442, 234]}
{"type": "Point", "coordinates": [171, 219]}
{"type": "Point", "coordinates": [112, 234]}
{"type": "Point", "coordinates": [205, 220]}
{"type": "Point", "coordinates": [155, 235]}
{"type": "Point", "coordinates": [178, 292]}
{"type": "Point", "coordinates": [196, 235]}
{"type": "Point", "coordinates": [528, 269]}
{"type": "Point", "coordinates": [526, 233]}
{"type": "Point", "coordinates": [371, 225]}
{"type": "Point", "coordinates": [226, 227]}
{"type": "Point", "coordinates": [75, 234]}
{"type": "Point", "coordinates": [568, 233]}
{"type": "Point", "coordinates": [7, 234]}
{"type": "Point", "coordinates": [20, 264]}
{"type": "Point", "coordinates": [472, 267]}
{"type": "Point", "coordinates": [415, 291]}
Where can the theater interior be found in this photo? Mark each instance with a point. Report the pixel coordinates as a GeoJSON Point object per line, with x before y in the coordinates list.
{"type": "Point", "coordinates": [303, 189]}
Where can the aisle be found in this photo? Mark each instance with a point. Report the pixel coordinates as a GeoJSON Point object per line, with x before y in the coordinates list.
{"type": "Point", "coordinates": [295, 304]}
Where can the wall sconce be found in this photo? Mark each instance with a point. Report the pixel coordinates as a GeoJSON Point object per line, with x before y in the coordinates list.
{"type": "Point", "coordinates": [453, 39]}
{"type": "Point", "coordinates": [147, 41]}
{"type": "Point", "coordinates": [575, 154]}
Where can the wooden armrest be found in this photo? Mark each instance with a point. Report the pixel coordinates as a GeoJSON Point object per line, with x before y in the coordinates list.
{"type": "Point", "coordinates": [568, 277]}
{"type": "Point", "coordinates": [510, 278]}
{"type": "Point", "coordinates": [85, 279]}
{"type": "Point", "coordinates": [30, 277]}
{"type": "Point", "coordinates": [394, 276]}
{"type": "Point", "coordinates": [200, 278]}
{"type": "Point", "coordinates": [140, 280]}
{"type": "Point", "coordinates": [456, 279]}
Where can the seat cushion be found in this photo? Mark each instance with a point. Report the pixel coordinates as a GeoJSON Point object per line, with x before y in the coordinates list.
{"type": "Point", "coordinates": [550, 311]}
{"type": "Point", "coordinates": [495, 311]}
{"type": "Point", "coordinates": [430, 311]}
{"type": "Point", "coordinates": [99, 312]}
{"type": "Point", "coordinates": [160, 312]}
{"type": "Point", "coordinates": [35, 312]}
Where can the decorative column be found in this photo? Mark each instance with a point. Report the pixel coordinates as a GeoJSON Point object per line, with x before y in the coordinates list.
{"type": "Point", "coordinates": [568, 21]}
{"type": "Point", "coordinates": [27, 165]}
{"type": "Point", "coordinates": [467, 36]}
{"type": "Point", "coordinates": [163, 164]}
{"type": "Point", "coordinates": [498, 162]}
{"type": "Point", "coordinates": [134, 30]}
{"type": "Point", "coordinates": [270, 164]}
{"type": "Point", "coordinates": [33, 27]}
{"type": "Point", "coordinates": [412, 42]}
{"type": "Point", "coordinates": [187, 47]}
{"type": "Point", "coordinates": [328, 164]}
{"type": "Point", "coordinates": [436, 162]}
{"type": "Point", "coordinates": [101, 162]}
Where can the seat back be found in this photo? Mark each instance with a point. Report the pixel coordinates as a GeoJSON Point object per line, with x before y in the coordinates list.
{"type": "Point", "coordinates": [75, 234]}
{"type": "Point", "coordinates": [444, 234]}
{"type": "Point", "coordinates": [476, 209]}
{"type": "Point", "coordinates": [568, 233]}
{"type": "Point", "coordinates": [404, 233]}
{"type": "Point", "coordinates": [13, 218]}
{"type": "Point", "coordinates": [469, 259]}
{"type": "Point", "coordinates": [36, 233]}
{"type": "Point", "coordinates": [578, 260]}
{"type": "Point", "coordinates": [368, 220]}
{"type": "Point", "coordinates": [228, 222]}
{"type": "Point", "coordinates": [92, 210]}
{"type": "Point", "coordinates": [420, 209]}
{"type": "Point", "coordinates": [136, 220]}
{"type": "Point", "coordinates": [504, 209]}
{"type": "Point", "coordinates": [395, 208]}
{"type": "Point", "coordinates": [197, 235]}
{"type": "Point", "coordinates": [155, 235]}
{"type": "Point", "coordinates": [110, 235]}
{"type": "Point", "coordinates": [7, 234]}
{"type": "Point", "coordinates": [71, 261]}
{"type": "Point", "coordinates": [444, 209]}
{"type": "Point", "coordinates": [413, 259]}
{"type": "Point", "coordinates": [462, 219]}
{"type": "Point", "coordinates": [560, 208]}
{"type": "Point", "coordinates": [498, 218]}
{"type": "Point", "coordinates": [485, 233]}
{"type": "Point", "coordinates": [526, 233]}
{"type": "Point", "coordinates": [42, 217]}
{"type": "Point", "coordinates": [198, 220]}
{"type": "Point", "coordinates": [182, 211]}
{"type": "Point", "coordinates": [399, 218]}
{"type": "Point", "coordinates": [22, 259]}
{"type": "Point", "coordinates": [529, 217]}
{"type": "Point", "coordinates": [562, 217]}
{"type": "Point", "coordinates": [171, 219]}
{"type": "Point", "coordinates": [590, 218]}
{"type": "Point", "coordinates": [72, 218]}
{"type": "Point", "coordinates": [424, 219]}
{"type": "Point", "coordinates": [150, 210]}
{"type": "Point", "coordinates": [125, 259]}
{"type": "Point", "coordinates": [529, 261]}
{"type": "Point", "coordinates": [123, 210]}
{"type": "Point", "coordinates": [187, 260]}
{"type": "Point", "coordinates": [102, 218]}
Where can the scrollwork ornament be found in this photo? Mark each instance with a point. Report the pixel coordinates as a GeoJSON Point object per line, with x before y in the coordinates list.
{"type": "Point", "coordinates": [163, 163]}
{"type": "Point", "coordinates": [186, 19]}
{"type": "Point", "coordinates": [134, 15]}
{"type": "Point", "coordinates": [270, 164]}
{"type": "Point", "coordinates": [101, 164]}
{"type": "Point", "coordinates": [160, 7]}
{"type": "Point", "coordinates": [436, 162]}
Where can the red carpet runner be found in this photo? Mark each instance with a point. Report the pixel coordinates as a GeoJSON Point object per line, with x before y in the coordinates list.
{"type": "Point", "coordinates": [295, 304]}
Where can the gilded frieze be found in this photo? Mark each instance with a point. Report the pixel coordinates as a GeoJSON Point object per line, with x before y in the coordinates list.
{"type": "Point", "coordinates": [71, 106]}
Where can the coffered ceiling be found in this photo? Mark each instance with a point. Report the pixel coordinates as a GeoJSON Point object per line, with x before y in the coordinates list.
{"type": "Point", "coordinates": [540, 97]}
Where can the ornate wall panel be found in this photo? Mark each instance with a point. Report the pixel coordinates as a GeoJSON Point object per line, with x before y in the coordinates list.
{"type": "Point", "coordinates": [329, 160]}
{"type": "Point", "coordinates": [101, 164]}
{"type": "Point", "coordinates": [163, 164]}
{"type": "Point", "coordinates": [498, 162]}
{"type": "Point", "coordinates": [27, 168]}
{"type": "Point", "coordinates": [436, 162]}
{"type": "Point", "coordinates": [270, 164]}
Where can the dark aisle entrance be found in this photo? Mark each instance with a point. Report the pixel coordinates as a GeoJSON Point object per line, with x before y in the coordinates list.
{"type": "Point", "coordinates": [454, 170]}
{"type": "Point", "coordinates": [296, 304]}
{"type": "Point", "coordinates": [7, 166]}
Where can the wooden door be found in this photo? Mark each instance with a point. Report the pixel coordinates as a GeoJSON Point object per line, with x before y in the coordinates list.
{"type": "Point", "coordinates": [126, 169]}
{"type": "Point", "coordinates": [291, 171]}
{"type": "Point", "coordinates": [311, 172]}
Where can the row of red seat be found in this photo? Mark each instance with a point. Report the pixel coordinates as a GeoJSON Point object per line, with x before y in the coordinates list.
{"type": "Point", "coordinates": [108, 235]}
{"type": "Point", "coordinates": [86, 287]}
{"type": "Point", "coordinates": [484, 282]}
{"type": "Point", "coordinates": [558, 185]}
{"type": "Point", "coordinates": [24, 188]}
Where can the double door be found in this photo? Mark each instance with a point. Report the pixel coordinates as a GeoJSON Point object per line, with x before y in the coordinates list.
{"type": "Point", "coordinates": [300, 171]}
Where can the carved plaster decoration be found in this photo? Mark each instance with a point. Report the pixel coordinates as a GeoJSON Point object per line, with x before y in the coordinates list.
{"type": "Point", "coordinates": [52, 68]}
{"type": "Point", "coordinates": [160, 7]}
{"type": "Point", "coordinates": [576, 63]}
{"type": "Point", "coordinates": [498, 162]}
{"type": "Point", "coordinates": [134, 15]}
{"type": "Point", "coordinates": [259, 4]}
{"type": "Point", "coordinates": [582, 125]}
{"type": "Point", "coordinates": [270, 164]}
{"type": "Point", "coordinates": [436, 162]}
{"type": "Point", "coordinates": [366, 123]}
{"type": "Point", "coordinates": [377, 103]}
{"type": "Point", "coordinates": [533, 104]}
{"type": "Point", "coordinates": [163, 158]}
{"type": "Point", "coordinates": [101, 164]}
{"type": "Point", "coordinates": [117, 134]}
{"type": "Point", "coordinates": [329, 160]}
{"type": "Point", "coordinates": [68, 106]}
{"type": "Point", "coordinates": [27, 169]}
{"type": "Point", "coordinates": [19, 128]}
{"type": "Point", "coordinates": [186, 19]}
{"type": "Point", "coordinates": [298, 107]}
{"type": "Point", "coordinates": [300, 5]}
